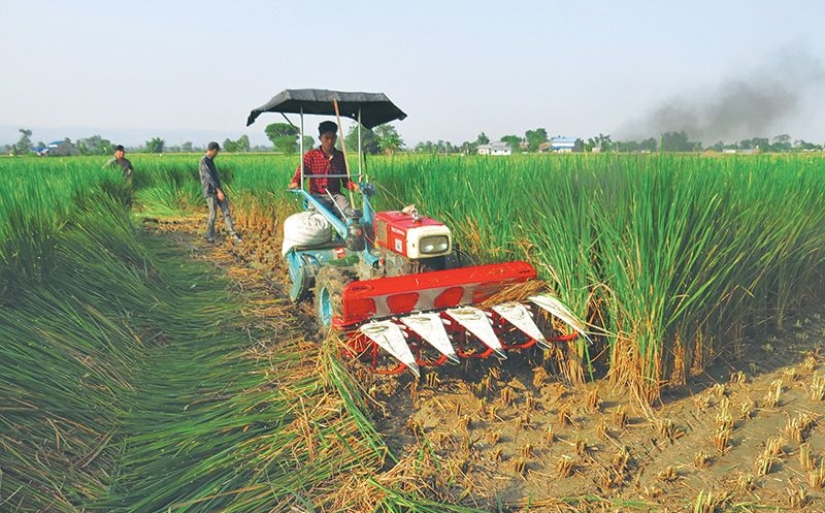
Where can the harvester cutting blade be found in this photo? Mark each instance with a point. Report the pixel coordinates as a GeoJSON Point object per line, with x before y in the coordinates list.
{"type": "Point", "coordinates": [553, 305]}
{"type": "Point", "coordinates": [476, 322]}
{"type": "Point", "coordinates": [519, 316]}
{"type": "Point", "coordinates": [389, 337]}
{"type": "Point", "coordinates": [430, 327]}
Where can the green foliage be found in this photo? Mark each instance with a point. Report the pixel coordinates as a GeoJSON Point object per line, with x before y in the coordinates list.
{"type": "Point", "coordinates": [671, 254]}
{"type": "Point", "coordinates": [132, 382]}
{"type": "Point", "coordinates": [370, 143]}
{"type": "Point", "coordinates": [535, 138]}
{"type": "Point", "coordinates": [95, 145]}
{"type": "Point", "coordinates": [388, 139]}
{"type": "Point", "coordinates": [239, 146]}
{"type": "Point", "coordinates": [155, 145]}
{"type": "Point", "coordinates": [678, 141]}
{"type": "Point", "coordinates": [513, 141]}
{"type": "Point", "coordinates": [24, 145]}
{"type": "Point", "coordinates": [284, 136]}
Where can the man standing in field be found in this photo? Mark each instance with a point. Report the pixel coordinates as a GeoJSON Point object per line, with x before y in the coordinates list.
{"type": "Point", "coordinates": [214, 194]}
{"type": "Point", "coordinates": [321, 162]}
{"type": "Point", "coordinates": [121, 161]}
{"type": "Point", "coordinates": [125, 166]}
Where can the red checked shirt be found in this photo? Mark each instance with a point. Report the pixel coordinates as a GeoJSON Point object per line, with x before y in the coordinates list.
{"type": "Point", "coordinates": [317, 165]}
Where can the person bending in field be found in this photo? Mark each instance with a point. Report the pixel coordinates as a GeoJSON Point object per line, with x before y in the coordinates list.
{"type": "Point", "coordinates": [126, 167]}
{"type": "Point", "coordinates": [321, 162]}
{"type": "Point", "coordinates": [214, 194]}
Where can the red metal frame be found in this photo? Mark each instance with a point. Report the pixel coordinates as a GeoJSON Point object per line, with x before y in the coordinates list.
{"type": "Point", "coordinates": [396, 295]}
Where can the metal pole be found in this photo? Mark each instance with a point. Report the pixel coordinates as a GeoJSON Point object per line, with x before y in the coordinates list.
{"type": "Point", "coordinates": [301, 148]}
{"type": "Point", "coordinates": [360, 148]}
{"type": "Point", "coordinates": [343, 149]}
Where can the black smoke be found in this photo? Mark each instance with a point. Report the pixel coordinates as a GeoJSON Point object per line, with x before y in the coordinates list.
{"type": "Point", "coordinates": [759, 104]}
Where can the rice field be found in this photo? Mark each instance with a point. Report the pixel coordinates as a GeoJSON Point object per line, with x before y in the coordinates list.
{"type": "Point", "coordinates": [142, 372]}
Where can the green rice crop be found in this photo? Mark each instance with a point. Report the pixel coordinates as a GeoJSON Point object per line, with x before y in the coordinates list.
{"type": "Point", "coordinates": [670, 255]}
{"type": "Point", "coordinates": [130, 380]}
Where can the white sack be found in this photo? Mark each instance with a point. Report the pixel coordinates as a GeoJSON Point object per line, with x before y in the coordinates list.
{"type": "Point", "coordinates": [306, 229]}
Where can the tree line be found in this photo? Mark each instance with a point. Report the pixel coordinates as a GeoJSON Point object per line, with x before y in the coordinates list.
{"type": "Point", "coordinates": [536, 140]}
{"type": "Point", "coordinates": [385, 139]}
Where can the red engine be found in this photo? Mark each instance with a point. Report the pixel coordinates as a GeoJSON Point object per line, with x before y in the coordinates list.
{"type": "Point", "coordinates": [411, 235]}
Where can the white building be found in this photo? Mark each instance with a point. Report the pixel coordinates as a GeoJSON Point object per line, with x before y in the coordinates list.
{"type": "Point", "coordinates": [561, 144]}
{"type": "Point", "coordinates": [495, 148]}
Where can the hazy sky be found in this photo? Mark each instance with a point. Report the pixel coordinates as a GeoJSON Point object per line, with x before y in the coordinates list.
{"type": "Point", "coordinates": [194, 69]}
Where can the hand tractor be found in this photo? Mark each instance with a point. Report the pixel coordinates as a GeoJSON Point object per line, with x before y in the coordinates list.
{"type": "Point", "coordinates": [394, 282]}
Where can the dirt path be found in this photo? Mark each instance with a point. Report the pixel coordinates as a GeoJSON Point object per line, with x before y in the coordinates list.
{"type": "Point", "coordinates": [746, 434]}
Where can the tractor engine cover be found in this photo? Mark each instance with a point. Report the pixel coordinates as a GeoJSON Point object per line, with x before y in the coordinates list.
{"type": "Point", "coordinates": [411, 235]}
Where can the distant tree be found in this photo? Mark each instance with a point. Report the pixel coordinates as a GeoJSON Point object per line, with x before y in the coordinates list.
{"type": "Point", "coordinates": [717, 146]}
{"type": "Point", "coordinates": [803, 145]}
{"type": "Point", "coordinates": [781, 143]}
{"type": "Point", "coordinates": [604, 143]}
{"type": "Point", "coordinates": [242, 143]}
{"type": "Point", "coordinates": [535, 138]}
{"type": "Point", "coordinates": [230, 146]}
{"type": "Point", "coordinates": [283, 136]}
{"type": "Point", "coordinates": [468, 148]}
{"type": "Point", "coordinates": [94, 145]}
{"type": "Point", "coordinates": [513, 141]}
{"type": "Point", "coordinates": [445, 147]}
{"type": "Point", "coordinates": [24, 145]}
{"type": "Point", "coordinates": [755, 143]}
{"type": "Point", "coordinates": [309, 143]}
{"type": "Point", "coordinates": [425, 147]}
{"type": "Point", "coordinates": [388, 138]}
{"type": "Point", "coordinates": [650, 144]}
{"type": "Point", "coordinates": [678, 141]}
{"type": "Point", "coordinates": [369, 141]}
{"type": "Point", "coordinates": [186, 147]}
{"type": "Point", "coordinates": [482, 139]}
{"type": "Point", "coordinates": [155, 145]}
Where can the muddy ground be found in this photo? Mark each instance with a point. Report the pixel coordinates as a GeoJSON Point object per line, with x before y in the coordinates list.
{"type": "Point", "coordinates": [746, 434]}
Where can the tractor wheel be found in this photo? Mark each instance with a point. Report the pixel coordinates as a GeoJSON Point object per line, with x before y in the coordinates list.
{"type": "Point", "coordinates": [329, 288]}
{"type": "Point", "coordinates": [301, 282]}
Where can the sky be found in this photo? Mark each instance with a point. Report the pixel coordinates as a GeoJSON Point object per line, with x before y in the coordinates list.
{"type": "Point", "coordinates": [192, 70]}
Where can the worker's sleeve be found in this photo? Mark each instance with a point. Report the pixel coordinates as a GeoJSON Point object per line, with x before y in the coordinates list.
{"type": "Point", "coordinates": [307, 172]}
{"type": "Point", "coordinates": [208, 178]}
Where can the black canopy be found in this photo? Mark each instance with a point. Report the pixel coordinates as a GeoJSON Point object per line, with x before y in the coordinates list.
{"type": "Point", "coordinates": [376, 108]}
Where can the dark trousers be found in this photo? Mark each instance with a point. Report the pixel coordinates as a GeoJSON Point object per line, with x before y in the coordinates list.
{"type": "Point", "coordinates": [213, 203]}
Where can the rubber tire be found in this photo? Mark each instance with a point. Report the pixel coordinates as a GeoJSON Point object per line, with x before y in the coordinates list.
{"type": "Point", "coordinates": [300, 288]}
{"type": "Point", "coordinates": [329, 288]}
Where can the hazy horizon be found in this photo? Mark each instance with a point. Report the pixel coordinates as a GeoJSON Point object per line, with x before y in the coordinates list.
{"type": "Point", "coordinates": [184, 71]}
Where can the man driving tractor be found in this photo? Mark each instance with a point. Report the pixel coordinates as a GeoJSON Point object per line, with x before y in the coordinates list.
{"type": "Point", "coordinates": [326, 170]}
